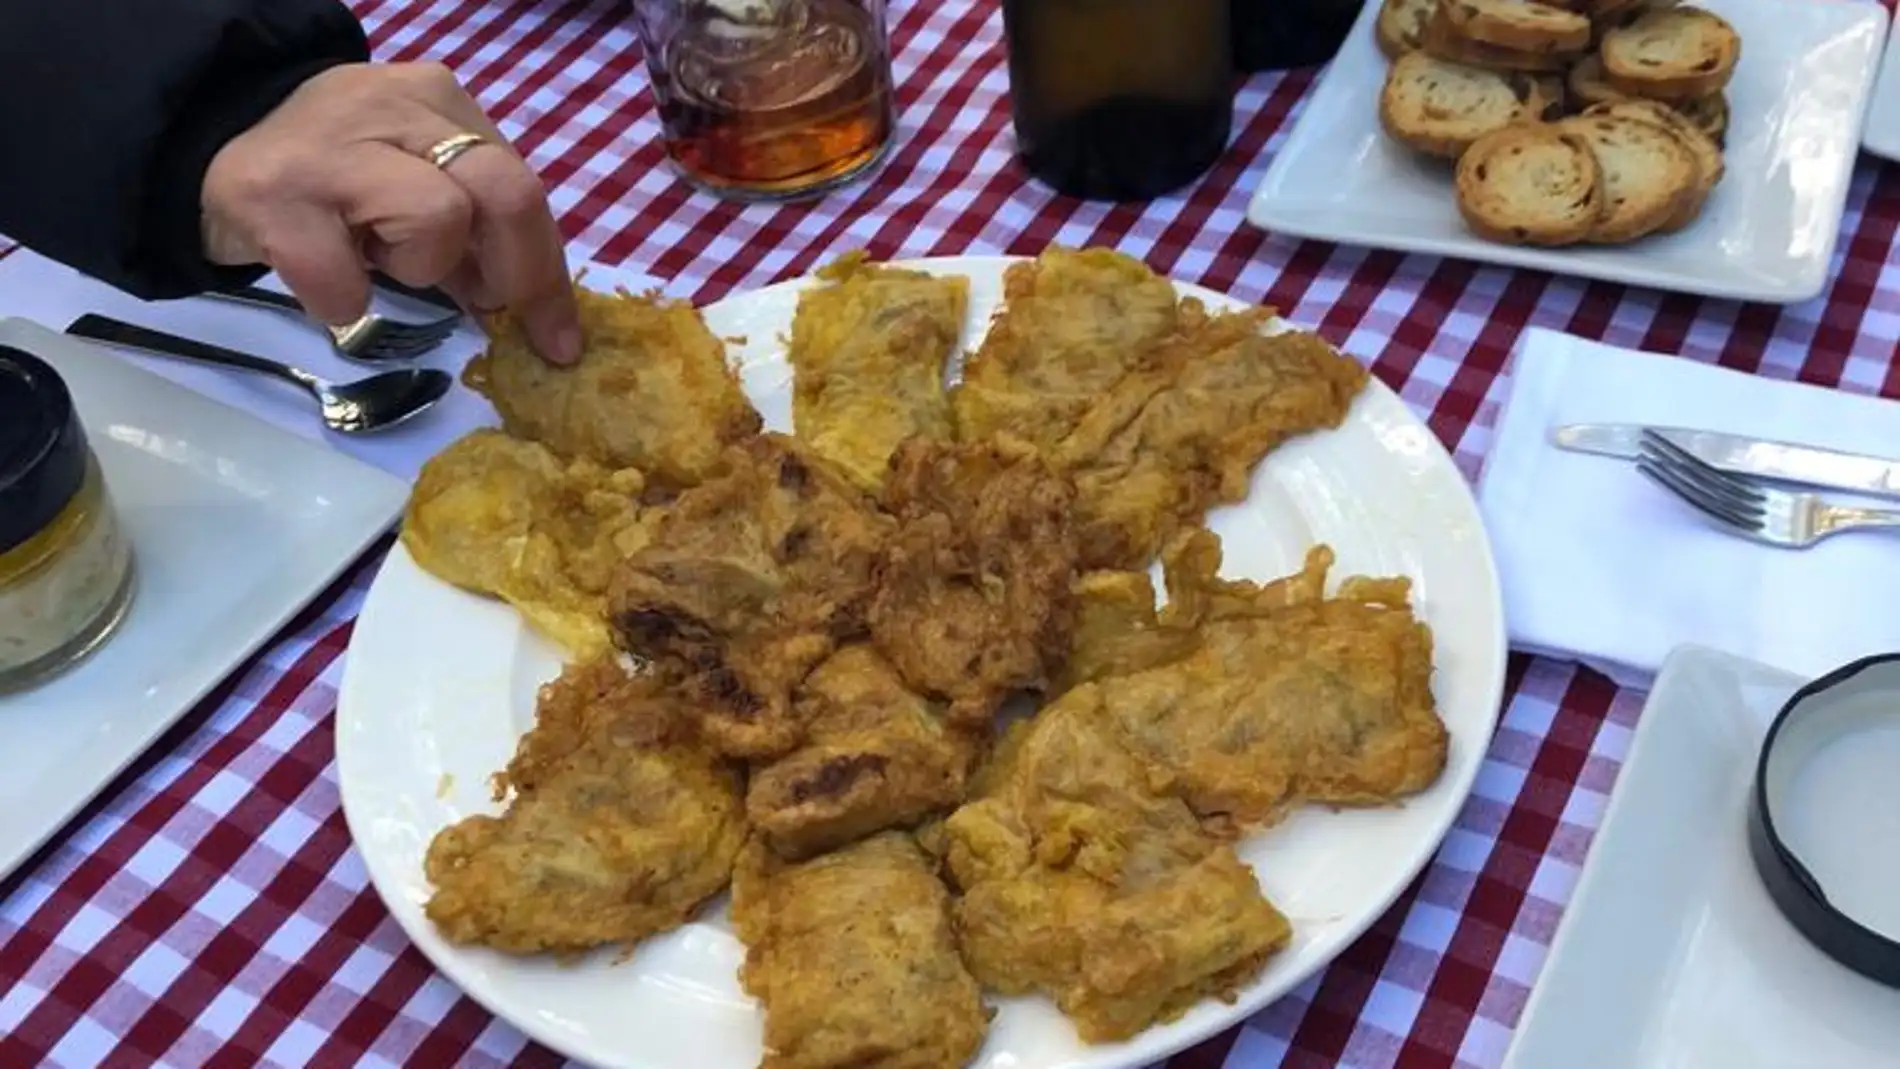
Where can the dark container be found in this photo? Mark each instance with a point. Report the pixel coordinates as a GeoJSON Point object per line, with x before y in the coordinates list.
{"type": "Point", "coordinates": [1271, 35]}
{"type": "Point", "coordinates": [1120, 99]}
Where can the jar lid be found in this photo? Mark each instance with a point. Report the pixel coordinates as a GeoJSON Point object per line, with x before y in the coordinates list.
{"type": "Point", "coordinates": [1824, 813]}
{"type": "Point", "coordinates": [43, 452]}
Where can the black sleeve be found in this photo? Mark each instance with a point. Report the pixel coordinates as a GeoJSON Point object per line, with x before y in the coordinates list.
{"type": "Point", "coordinates": [110, 112]}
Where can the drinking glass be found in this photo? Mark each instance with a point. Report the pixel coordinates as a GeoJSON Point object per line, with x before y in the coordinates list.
{"type": "Point", "coordinates": [769, 99]}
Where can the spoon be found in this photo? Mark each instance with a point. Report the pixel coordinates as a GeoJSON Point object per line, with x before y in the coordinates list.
{"type": "Point", "coordinates": [362, 407]}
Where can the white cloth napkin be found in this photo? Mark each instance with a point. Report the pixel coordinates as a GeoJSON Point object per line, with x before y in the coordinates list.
{"type": "Point", "coordinates": [1601, 565]}
{"type": "Point", "coordinates": [33, 287]}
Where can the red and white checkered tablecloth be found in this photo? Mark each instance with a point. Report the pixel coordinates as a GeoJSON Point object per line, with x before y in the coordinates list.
{"type": "Point", "coordinates": [209, 910]}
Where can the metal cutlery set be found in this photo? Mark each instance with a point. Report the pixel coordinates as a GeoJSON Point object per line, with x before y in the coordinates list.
{"type": "Point", "coordinates": [373, 339]}
{"type": "Point", "coordinates": [364, 406]}
{"type": "Point", "coordinates": [1731, 479]}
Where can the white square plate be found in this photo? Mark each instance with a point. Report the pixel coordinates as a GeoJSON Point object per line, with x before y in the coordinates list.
{"type": "Point", "coordinates": [235, 526]}
{"type": "Point", "coordinates": [1671, 955]}
{"type": "Point", "coordinates": [1767, 233]}
{"type": "Point", "coordinates": [1881, 135]}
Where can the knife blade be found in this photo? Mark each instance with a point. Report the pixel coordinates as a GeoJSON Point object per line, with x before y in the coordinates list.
{"type": "Point", "coordinates": [1791, 462]}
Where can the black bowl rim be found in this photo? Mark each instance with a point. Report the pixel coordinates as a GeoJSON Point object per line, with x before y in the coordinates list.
{"type": "Point", "coordinates": [1794, 890]}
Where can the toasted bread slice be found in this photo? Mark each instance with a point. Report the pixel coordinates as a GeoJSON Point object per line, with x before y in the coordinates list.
{"type": "Point", "coordinates": [1586, 84]}
{"type": "Point", "coordinates": [1608, 13]}
{"type": "Point", "coordinates": [1708, 155]}
{"type": "Point", "coordinates": [1530, 184]}
{"type": "Point", "coordinates": [1586, 87]}
{"type": "Point", "coordinates": [1647, 172]}
{"type": "Point", "coordinates": [1709, 114]}
{"type": "Point", "coordinates": [1442, 40]}
{"type": "Point", "coordinates": [1401, 24]}
{"type": "Point", "coordinates": [1440, 108]}
{"type": "Point", "coordinates": [1673, 54]}
{"type": "Point", "coordinates": [1520, 25]}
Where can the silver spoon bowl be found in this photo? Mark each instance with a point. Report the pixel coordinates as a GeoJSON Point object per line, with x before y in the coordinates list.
{"type": "Point", "coordinates": [365, 406]}
{"type": "Point", "coordinates": [381, 401]}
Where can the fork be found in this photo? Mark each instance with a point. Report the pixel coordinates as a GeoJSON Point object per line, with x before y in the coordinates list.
{"type": "Point", "coordinates": [1776, 517]}
{"type": "Point", "coordinates": [373, 339]}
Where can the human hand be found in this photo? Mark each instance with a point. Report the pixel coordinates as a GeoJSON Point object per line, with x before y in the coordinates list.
{"type": "Point", "coordinates": [337, 179]}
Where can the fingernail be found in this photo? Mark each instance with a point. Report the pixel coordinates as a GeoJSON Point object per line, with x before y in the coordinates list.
{"type": "Point", "coordinates": [567, 344]}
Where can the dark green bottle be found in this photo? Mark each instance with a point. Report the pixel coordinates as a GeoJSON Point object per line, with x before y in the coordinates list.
{"type": "Point", "coordinates": [1272, 35]}
{"type": "Point", "coordinates": [1120, 99]}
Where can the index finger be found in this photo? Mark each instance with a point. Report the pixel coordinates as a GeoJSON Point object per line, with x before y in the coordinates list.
{"type": "Point", "coordinates": [519, 251]}
{"type": "Point", "coordinates": [517, 246]}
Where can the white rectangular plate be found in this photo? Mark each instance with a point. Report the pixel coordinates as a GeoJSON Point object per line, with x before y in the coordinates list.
{"type": "Point", "coordinates": [1881, 134]}
{"type": "Point", "coordinates": [1767, 233]}
{"type": "Point", "coordinates": [1671, 954]}
{"type": "Point", "coordinates": [235, 525]}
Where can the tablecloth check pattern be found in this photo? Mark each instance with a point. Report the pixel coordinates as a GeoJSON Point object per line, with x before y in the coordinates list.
{"type": "Point", "coordinates": [208, 910]}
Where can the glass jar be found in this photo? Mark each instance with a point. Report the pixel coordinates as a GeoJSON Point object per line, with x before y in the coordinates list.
{"type": "Point", "coordinates": [66, 573]}
{"type": "Point", "coordinates": [1271, 35]}
{"type": "Point", "coordinates": [1119, 99]}
{"type": "Point", "coordinates": [770, 99]}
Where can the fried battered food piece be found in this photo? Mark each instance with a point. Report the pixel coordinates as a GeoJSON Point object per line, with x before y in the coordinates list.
{"type": "Point", "coordinates": [586, 693]}
{"type": "Point", "coordinates": [1288, 696]}
{"type": "Point", "coordinates": [1172, 440]}
{"type": "Point", "coordinates": [750, 580]}
{"type": "Point", "coordinates": [853, 955]}
{"type": "Point", "coordinates": [621, 827]}
{"type": "Point", "coordinates": [879, 757]}
{"type": "Point", "coordinates": [507, 518]}
{"type": "Point", "coordinates": [1072, 324]}
{"type": "Point", "coordinates": [974, 598]}
{"type": "Point", "coordinates": [868, 355]}
{"type": "Point", "coordinates": [1116, 629]}
{"type": "Point", "coordinates": [1084, 879]}
{"type": "Point", "coordinates": [653, 389]}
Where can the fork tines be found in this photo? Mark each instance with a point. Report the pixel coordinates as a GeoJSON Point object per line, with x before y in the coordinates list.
{"type": "Point", "coordinates": [415, 338]}
{"type": "Point", "coordinates": [1725, 496]}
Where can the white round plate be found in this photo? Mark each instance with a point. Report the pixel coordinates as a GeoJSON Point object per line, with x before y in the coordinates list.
{"type": "Point", "coordinates": [440, 684]}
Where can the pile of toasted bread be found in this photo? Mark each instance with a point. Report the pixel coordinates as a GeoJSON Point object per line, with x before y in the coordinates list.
{"type": "Point", "coordinates": [1597, 121]}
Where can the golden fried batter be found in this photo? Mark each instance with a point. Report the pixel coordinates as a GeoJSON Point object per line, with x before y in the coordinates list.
{"type": "Point", "coordinates": [868, 355]}
{"type": "Point", "coordinates": [1072, 324]}
{"type": "Point", "coordinates": [1116, 631]}
{"type": "Point", "coordinates": [751, 579]}
{"type": "Point", "coordinates": [1172, 440]}
{"type": "Point", "coordinates": [504, 517]}
{"type": "Point", "coordinates": [622, 826]}
{"type": "Point", "coordinates": [878, 757]}
{"type": "Point", "coordinates": [974, 599]}
{"type": "Point", "coordinates": [853, 956]}
{"type": "Point", "coordinates": [1288, 696]}
{"type": "Point", "coordinates": [1081, 878]}
{"type": "Point", "coordinates": [653, 389]}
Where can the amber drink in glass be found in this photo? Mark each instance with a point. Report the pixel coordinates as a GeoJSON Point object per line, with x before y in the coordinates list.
{"type": "Point", "coordinates": [770, 99]}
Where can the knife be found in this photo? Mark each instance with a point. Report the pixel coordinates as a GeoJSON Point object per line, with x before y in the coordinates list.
{"type": "Point", "coordinates": [1785, 461]}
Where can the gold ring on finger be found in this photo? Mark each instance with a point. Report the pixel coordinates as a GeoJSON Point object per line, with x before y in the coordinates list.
{"type": "Point", "coordinates": [450, 149]}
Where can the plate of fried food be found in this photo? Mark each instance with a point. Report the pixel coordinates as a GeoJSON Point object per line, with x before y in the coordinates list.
{"type": "Point", "coordinates": [1704, 147]}
{"type": "Point", "coordinates": [789, 684]}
